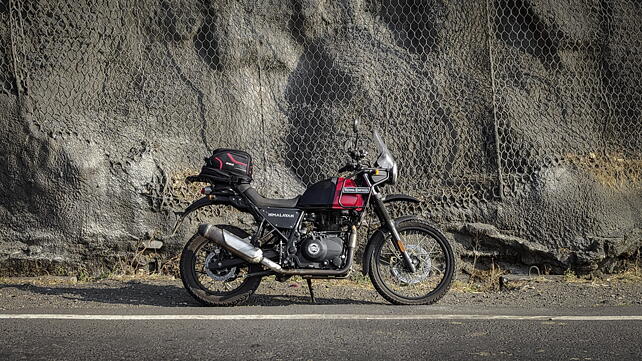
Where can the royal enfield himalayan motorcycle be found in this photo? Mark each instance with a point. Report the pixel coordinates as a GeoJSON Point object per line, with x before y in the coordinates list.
{"type": "Point", "coordinates": [313, 235]}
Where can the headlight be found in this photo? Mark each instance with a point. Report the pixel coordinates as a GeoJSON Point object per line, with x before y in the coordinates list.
{"type": "Point", "coordinates": [394, 173]}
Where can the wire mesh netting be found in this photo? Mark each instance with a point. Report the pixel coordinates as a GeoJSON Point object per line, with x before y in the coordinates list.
{"type": "Point", "coordinates": [570, 81]}
{"type": "Point", "coordinates": [475, 98]}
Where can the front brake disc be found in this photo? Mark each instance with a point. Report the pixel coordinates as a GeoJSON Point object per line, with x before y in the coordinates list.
{"type": "Point", "coordinates": [423, 266]}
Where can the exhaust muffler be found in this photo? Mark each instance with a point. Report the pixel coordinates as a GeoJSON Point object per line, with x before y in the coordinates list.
{"type": "Point", "coordinates": [238, 246]}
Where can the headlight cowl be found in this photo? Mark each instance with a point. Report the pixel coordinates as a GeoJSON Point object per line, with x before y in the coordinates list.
{"type": "Point", "coordinates": [394, 173]}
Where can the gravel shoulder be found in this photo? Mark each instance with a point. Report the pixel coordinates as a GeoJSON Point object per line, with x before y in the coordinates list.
{"type": "Point", "coordinates": [165, 292]}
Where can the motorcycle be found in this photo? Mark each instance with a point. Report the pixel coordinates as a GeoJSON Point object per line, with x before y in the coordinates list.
{"type": "Point", "coordinates": [313, 235]}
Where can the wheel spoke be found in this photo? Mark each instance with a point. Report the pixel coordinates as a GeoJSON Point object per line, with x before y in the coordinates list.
{"type": "Point", "coordinates": [205, 279]}
{"type": "Point", "coordinates": [423, 248]}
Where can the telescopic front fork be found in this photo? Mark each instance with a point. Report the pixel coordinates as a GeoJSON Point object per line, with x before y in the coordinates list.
{"type": "Point", "coordinates": [385, 218]}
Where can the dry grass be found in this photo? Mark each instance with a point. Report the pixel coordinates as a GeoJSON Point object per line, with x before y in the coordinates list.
{"type": "Point", "coordinates": [628, 276]}
{"type": "Point", "coordinates": [466, 287]}
{"type": "Point", "coordinates": [613, 170]}
{"type": "Point", "coordinates": [355, 280]}
{"type": "Point", "coordinates": [135, 266]}
{"type": "Point", "coordinates": [142, 276]}
{"type": "Point", "coordinates": [127, 270]}
{"type": "Point", "coordinates": [632, 272]}
{"type": "Point", "coordinates": [40, 281]}
{"type": "Point", "coordinates": [571, 277]}
{"type": "Point", "coordinates": [482, 280]}
{"type": "Point", "coordinates": [182, 191]}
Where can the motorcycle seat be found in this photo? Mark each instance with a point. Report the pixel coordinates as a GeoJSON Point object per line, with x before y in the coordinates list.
{"type": "Point", "coordinates": [263, 202]}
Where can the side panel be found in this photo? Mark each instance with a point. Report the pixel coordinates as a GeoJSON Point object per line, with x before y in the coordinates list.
{"type": "Point", "coordinates": [281, 217]}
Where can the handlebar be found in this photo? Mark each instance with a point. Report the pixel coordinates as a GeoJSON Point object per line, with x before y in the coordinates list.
{"type": "Point", "coordinates": [356, 155]}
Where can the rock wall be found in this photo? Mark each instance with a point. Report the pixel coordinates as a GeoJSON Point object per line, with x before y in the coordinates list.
{"type": "Point", "coordinates": [518, 122]}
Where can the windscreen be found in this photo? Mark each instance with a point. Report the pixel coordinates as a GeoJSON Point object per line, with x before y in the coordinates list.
{"type": "Point", "coordinates": [385, 159]}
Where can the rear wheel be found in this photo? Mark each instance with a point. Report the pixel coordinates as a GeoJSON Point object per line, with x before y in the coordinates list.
{"type": "Point", "coordinates": [225, 287]}
{"type": "Point", "coordinates": [432, 256]}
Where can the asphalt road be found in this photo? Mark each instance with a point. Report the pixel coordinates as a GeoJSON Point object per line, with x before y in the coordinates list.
{"type": "Point", "coordinates": [335, 332]}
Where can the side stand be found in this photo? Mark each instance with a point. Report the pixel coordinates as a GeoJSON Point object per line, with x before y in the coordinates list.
{"type": "Point", "coordinates": [312, 299]}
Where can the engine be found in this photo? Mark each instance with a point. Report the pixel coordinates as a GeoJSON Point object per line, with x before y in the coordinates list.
{"type": "Point", "coordinates": [322, 239]}
{"type": "Point", "coordinates": [321, 250]}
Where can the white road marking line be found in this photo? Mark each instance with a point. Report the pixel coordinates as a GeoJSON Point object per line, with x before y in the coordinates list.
{"type": "Point", "coordinates": [318, 317]}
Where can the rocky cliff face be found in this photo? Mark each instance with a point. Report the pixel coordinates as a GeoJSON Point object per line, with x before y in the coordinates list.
{"type": "Point", "coordinates": [517, 121]}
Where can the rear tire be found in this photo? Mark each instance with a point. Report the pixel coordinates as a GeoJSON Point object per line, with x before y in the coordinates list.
{"type": "Point", "coordinates": [193, 274]}
{"type": "Point", "coordinates": [425, 243]}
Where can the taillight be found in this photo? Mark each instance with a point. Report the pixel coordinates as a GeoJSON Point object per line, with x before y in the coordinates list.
{"type": "Point", "coordinates": [206, 190]}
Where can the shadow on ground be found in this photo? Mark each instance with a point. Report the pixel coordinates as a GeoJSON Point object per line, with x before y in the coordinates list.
{"type": "Point", "coordinates": [146, 294]}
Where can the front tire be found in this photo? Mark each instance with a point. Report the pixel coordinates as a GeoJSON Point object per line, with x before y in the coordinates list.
{"type": "Point", "coordinates": [435, 263]}
{"type": "Point", "coordinates": [228, 287]}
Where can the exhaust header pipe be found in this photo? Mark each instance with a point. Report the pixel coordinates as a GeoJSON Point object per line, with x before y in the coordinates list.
{"type": "Point", "coordinates": [242, 248]}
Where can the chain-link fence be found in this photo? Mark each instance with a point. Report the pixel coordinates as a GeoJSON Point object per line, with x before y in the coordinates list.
{"type": "Point", "coordinates": [475, 98]}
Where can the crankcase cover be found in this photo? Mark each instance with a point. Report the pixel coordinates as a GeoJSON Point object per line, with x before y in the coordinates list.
{"type": "Point", "coordinates": [322, 248]}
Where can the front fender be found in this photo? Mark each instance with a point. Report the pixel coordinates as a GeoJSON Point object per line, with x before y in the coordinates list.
{"type": "Point", "coordinates": [380, 232]}
{"type": "Point", "coordinates": [400, 198]}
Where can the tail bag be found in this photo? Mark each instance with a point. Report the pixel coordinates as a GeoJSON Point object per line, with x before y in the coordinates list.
{"type": "Point", "coordinates": [228, 166]}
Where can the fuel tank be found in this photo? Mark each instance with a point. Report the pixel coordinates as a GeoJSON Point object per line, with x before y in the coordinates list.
{"type": "Point", "coordinates": [328, 194]}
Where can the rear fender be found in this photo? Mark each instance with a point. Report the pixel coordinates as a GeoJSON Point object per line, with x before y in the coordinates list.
{"type": "Point", "coordinates": [199, 203]}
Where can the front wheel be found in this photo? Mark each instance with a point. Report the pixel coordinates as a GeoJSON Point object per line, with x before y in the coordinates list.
{"type": "Point", "coordinates": [432, 255]}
